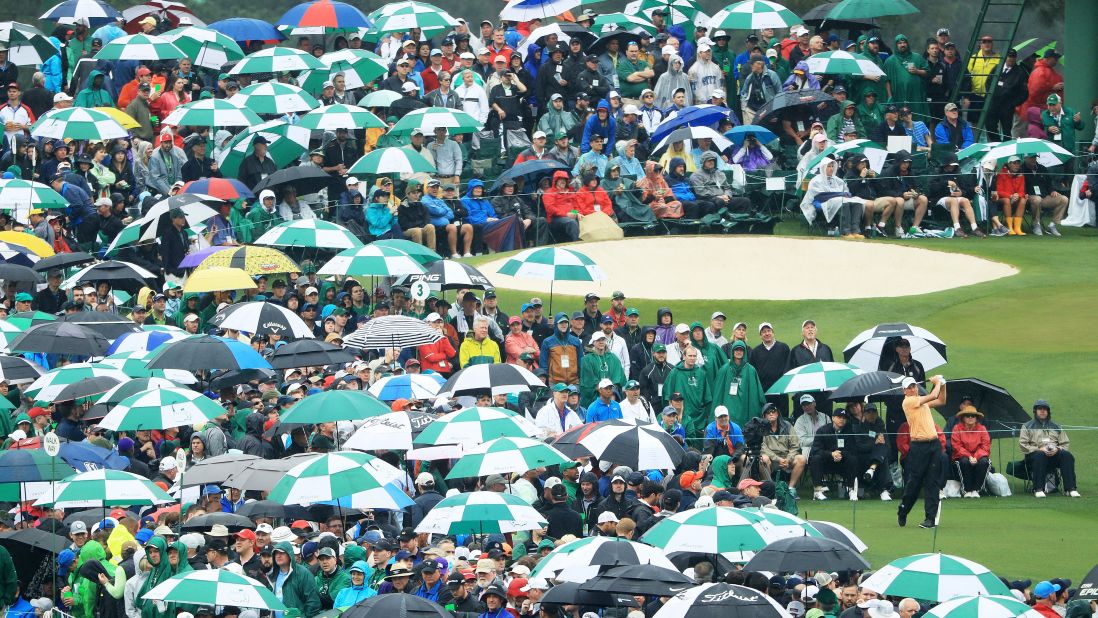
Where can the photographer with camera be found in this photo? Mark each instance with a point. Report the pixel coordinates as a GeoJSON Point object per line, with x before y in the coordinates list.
{"type": "Point", "coordinates": [780, 449]}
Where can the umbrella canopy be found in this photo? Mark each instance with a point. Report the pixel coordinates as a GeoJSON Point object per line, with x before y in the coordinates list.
{"type": "Point", "coordinates": [332, 117]}
{"type": "Point", "coordinates": [228, 189]}
{"type": "Point", "coordinates": [419, 253]}
{"type": "Point", "coordinates": [392, 160]}
{"type": "Point", "coordinates": [103, 488]}
{"type": "Point", "coordinates": [393, 431]}
{"type": "Point", "coordinates": [120, 116]}
{"type": "Point", "coordinates": [613, 22]}
{"type": "Point", "coordinates": [867, 9]}
{"type": "Point", "coordinates": [806, 553]}
{"type": "Point", "coordinates": [843, 63]}
{"type": "Point", "coordinates": [208, 352]}
{"type": "Point", "coordinates": [36, 245]}
{"type": "Point", "coordinates": [753, 15]}
{"type": "Point", "coordinates": [242, 29]}
{"type": "Point", "coordinates": [196, 209]}
{"type": "Point", "coordinates": [262, 318]}
{"type": "Point", "coordinates": [983, 606]}
{"type": "Point", "coordinates": [470, 427]}
{"type": "Point", "coordinates": [1026, 147]}
{"type": "Point", "coordinates": [232, 521]}
{"type": "Point", "coordinates": [994, 401]}
{"type": "Point", "coordinates": [500, 378]}
{"type": "Point", "coordinates": [214, 470]}
{"type": "Point", "coordinates": [352, 478]}
{"type": "Point", "coordinates": [506, 455]}
{"type": "Point", "coordinates": [721, 601]}
{"type": "Point", "coordinates": [26, 319]}
{"type": "Point", "coordinates": [644, 579]}
{"type": "Point", "coordinates": [21, 195]}
{"type": "Point", "coordinates": [840, 533]}
{"type": "Point", "coordinates": [61, 260]}
{"type": "Point", "coordinates": [392, 331]}
{"type": "Point", "coordinates": [570, 593]}
{"type": "Point", "coordinates": [874, 347]}
{"type": "Point", "coordinates": [405, 15]}
{"type": "Point", "coordinates": [308, 353]}
{"type": "Point", "coordinates": [554, 263]}
{"type": "Point", "coordinates": [161, 408]}
{"type": "Point", "coordinates": [734, 534]}
{"type": "Point", "coordinates": [31, 465]}
{"type": "Point", "coordinates": [87, 387]}
{"type": "Point", "coordinates": [306, 179]}
{"type": "Point", "coordinates": [78, 123]}
{"type": "Point", "coordinates": [60, 338]}
{"type": "Point", "coordinates": [817, 17]}
{"type": "Point", "coordinates": [218, 278]}
{"type": "Point", "coordinates": [144, 341]}
{"type": "Point", "coordinates": [453, 275]}
{"type": "Point", "coordinates": [676, 11]}
{"type": "Point", "coordinates": [583, 559]}
{"type": "Point", "coordinates": [380, 98]}
{"type": "Point", "coordinates": [8, 332]}
{"type": "Point", "coordinates": [371, 260]}
{"type": "Point", "coordinates": [792, 102]}
{"type": "Point", "coordinates": [689, 133]}
{"type": "Point", "coordinates": [119, 274]}
{"type": "Point", "coordinates": [694, 116]}
{"type": "Point", "coordinates": [876, 385]}
{"type": "Point", "coordinates": [564, 31]}
{"type": "Point", "coordinates": [641, 447]}
{"type": "Point", "coordinates": [396, 605]}
{"type": "Point", "coordinates": [215, 587]}
{"type": "Point", "coordinates": [109, 324]}
{"type": "Point", "coordinates": [89, 457]}
{"type": "Point", "coordinates": [785, 525]}
{"type": "Point", "coordinates": [406, 386]}
{"type": "Point", "coordinates": [285, 143]}
{"type": "Point", "coordinates": [253, 260]}
{"type": "Point", "coordinates": [26, 45]}
{"type": "Point", "coordinates": [275, 98]}
{"type": "Point", "coordinates": [276, 60]}
{"type": "Point", "coordinates": [135, 365]}
{"type": "Point", "coordinates": [528, 171]}
{"type": "Point", "coordinates": [232, 377]}
{"type": "Point", "coordinates": [934, 577]}
{"type": "Point", "coordinates": [17, 273]}
{"type": "Point", "coordinates": [481, 512]}
{"type": "Point", "coordinates": [431, 118]}
{"type": "Point", "coordinates": [14, 540]}
{"type": "Point", "coordinates": [54, 381]}
{"type": "Point", "coordinates": [324, 14]}
{"type": "Point", "coordinates": [525, 10]}
{"type": "Point", "coordinates": [18, 256]}
{"type": "Point", "coordinates": [97, 12]}
{"type": "Point", "coordinates": [264, 474]}
{"type": "Point", "coordinates": [332, 406]}
{"type": "Point", "coordinates": [814, 377]}
{"type": "Point", "coordinates": [212, 113]}
{"type": "Point", "coordinates": [140, 47]}
{"type": "Point", "coordinates": [16, 370]}
{"type": "Point", "coordinates": [872, 150]}
{"type": "Point", "coordinates": [205, 47]}
{"type": "Point", "coordinates": [166, 12]}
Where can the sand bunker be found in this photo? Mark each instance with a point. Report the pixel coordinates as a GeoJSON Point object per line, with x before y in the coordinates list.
{"type": "Point", "coordinates": [765, 268]}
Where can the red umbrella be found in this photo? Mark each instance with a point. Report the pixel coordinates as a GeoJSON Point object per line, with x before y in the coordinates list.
{"type": "Point", "coordinates": [228, 189]}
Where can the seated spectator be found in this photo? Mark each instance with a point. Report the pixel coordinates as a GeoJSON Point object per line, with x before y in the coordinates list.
{"type": "Point", "coordinates": [953, 129]}
{"type": "Point", "coordinates": [862, 182]}
{"type": "Point", "coordinates": [872, 448]}
{"type": "Point", "coordinates": [1046, 192]}
{"type": "Point", "coordinates": [592, 197]}
{"type": "Point", "coordinates": [955, 192]}
{"type": "Point", "coordinates": [722, 436]}
{"type": "Point", "coordinates": [971, 450]}
{"type": "Point", "coordinates": [562, 208]}
{"type": "Point", "coordinates": [624, 197]}
{"type": "Point", "coordinates": [1045, 446]}
{"type": "Point", "coordinates": [1010, 194]}
{"type": "Point", "coordinates": [828, 193]}
{"type": "Point", "coordinates": [627, 161]}
{"type": "Point", "coordinates": [680, 187]}
{"type": "Point", "coordinates": [508, 203]}
{"type": "Point", "coordinates": [479, 209]}
{"type": "Point", "coordinates": [711, 184]}
{"type": "Point", "coordinates": [834, 451]}
{"type": "Point", "coordinates": [845, 123]}
{"type": "Point", "coordinates": [808, 423]}
{"type": "Point", "coordinates": [381, 224]}
{"type": "Point", "coordinates": [752, 155]}
{"type": "Point", "coordinates": [921, 137]}
{"type": "Point", "coordinates": [657, 193]}
{"type": "Point", "coordinates": [413, 217]}
{"type": "Point", "coordinates": [900, 185]}
{"type": "Point", "coordinates": [781, 450]}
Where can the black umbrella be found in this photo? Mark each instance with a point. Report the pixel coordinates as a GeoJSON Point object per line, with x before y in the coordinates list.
{"type": "Point", "coordinates": [34, 318]}
{"type": "Point", "coordinates": [877, 385]}
{"type": "Point", "coordinates": [452, 275]}
{"type": "Point", "coordinates": [235, 522]}
{"type": "Point", "coordinates": [93, 516]}
{"type": "Point", "coordinates": [721, 601]}
{"type": "Point", "coordinates": [799, 103]}
{"type": "Point", "coordinates": [623, 37]}
{"type": "Point", "coordinates": [876, 347]}
{"type": "Point", "coordinates": [994, 401]}
{"type": "Point", "coordinates": [398, 605]}
{"type": "Point", "coordinates": [646, 579]}
{"type": "Point", "coordinates": [216, 469]}
{"type": "Point", "coordinates": [816, 17]}
{"type": "Point", "coordinates": [119, 274]}
{"type": "Point", "coordinates": [19, 274]}
{"type": "Point", "coordinates": [263, 508]}
{"type": "Point", "coordinates": [806, 553]}
{"type": "Point", "coordinates": [63, 260]}
{"type": "Point", "coordinates": [839, 533]}
{"type": "Point", "coordinates": [1088, 588]}
{"type": "Point", "coordinates": [305, 179]}
{"type": "Point", "coordinates": [688, 559]}
{"type": "Point", "coordinates": [498, 378]}
{"type": "Point", "coordinates": [35, 538]}
{"type": "Point", "coordinates": [264, 474]}
{"type": "Point", "coordinates": [570, 593]}
{"type": "Point", "coordinates": [61, 338]}
{"type": "Point", "coordinates": [529, 170]}
{"type": "Point", "coordinates": [86, 388]}
{"type": "Point", "coordinates": [309, 353]}
{"type": "Point", "coordinates": [232, 377]}
{"type": "Point", "coordinates": [16, 369]}
{"type": "Point", "coordinates": [106, 323]}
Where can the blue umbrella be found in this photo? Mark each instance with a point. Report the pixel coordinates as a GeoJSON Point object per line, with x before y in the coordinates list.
{"type": "Point", "coordinates": [208, 352]}
{"type": "Point", "coordinates": [529, 170]}
{"type": "Point", "coordinates": [31, 465]}
{"type": "Point", "coordinates": [324, 14]}
{"type": "Point", "coordinates": [145, 341]}
{"type": "Point", "coordinates": [695, 116]}
{"type": "Point", "coordinates": [84, 457]}
{"type": "Point", "coordinates": [408, 386]}
{"type": "Point", "coordinates": [242, 29]}
{"type": "Point", "coordinates": [737, 134]}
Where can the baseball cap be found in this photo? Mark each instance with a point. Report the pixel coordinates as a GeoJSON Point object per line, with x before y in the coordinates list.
{"type": "Point", "coordinates": [1045, 589]}
{"type": "Point", "coordinates": [606, 383]}
{"type": "Point", "coordinates": [744, 484]}
{"type": "Point", "coordinates": [61, 96]}
{"type": "Point", "coordinates": [907, 381]}
{"type": "Point", "coordinates": [806, 398]}
{"type": "Point", "coordinates": [539, 134]}
{"type": "Point", "coordinates": [951, 107]}
{"type": "Point", "coordinates": [168, 463]}
{"type": "Point", "coordinates": [607, 517]}
{"type": "Point", "coordinates": [682, 328]}
{"type": "Point", "coordinates": [424, 478]}
{"type": "Point", "coordinates": [720, 411]}
{"type": "Point", "coordinates": [486, 565]}
{"type": "Point", "coordinates": [78, 527]}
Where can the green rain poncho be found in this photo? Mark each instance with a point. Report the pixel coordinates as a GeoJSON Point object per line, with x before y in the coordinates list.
{"type": "Point", "coordinates": [741, 378]}
{"type": "Point", "coordinates": [595, 367]}
{"type": "Point", "coordinates": [693, 385]}
{"type": "Point", "coordinates": [859, 86]}
{"type": "Point", "coordinates": [714, 357]}
{"type": "Point", "coordinates": [907, 88]}
{"type": "Point", "coordinates": [721, 480]}
{"type": "Point", "coordinates": [158, 574]}
{"type": "Point", "coordinates": [86, 590]}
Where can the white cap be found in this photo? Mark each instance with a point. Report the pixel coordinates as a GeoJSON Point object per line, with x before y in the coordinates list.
{"type": "Point", "coordinates": [425, 478]}
{"type": "Point", "coordinates": [607, 516]}
{"type": "Point", "coordinates": [104, 201]}
{"type": "Point", "coordinates": [798, 30]}
{"type": "Point", "coordinates": [536, 583]}
{"type": "Point", "coordinates": [520, 570]}
{"type": "Point", "coordinates": [327, 84]}
{"type": "Point", "coordinates": [61, 96]}
{"type": "Point", "coordinates": [614, 95]}
{"type": "Point", "coordinates": [500, 58]}
{"type": "Point", "coordinates": [718, 93]}
{"type": "Point", "coordinates": [192, 540]}
{"type": "Point", "coordinates": [266, 193]}
{"type": "Point", "coordinates": [606, 383]}
{"type": "Point", "coordinates": [718, 34]}
{"type": "Point", "coordinates": [552, 482]}
{"type": "Point", "coordinates": [809, 592]}
{"type": "Point", "coordinates": [190, 318]}
{"type": "Point", "coordinates": [538, 134]}
{"type": "Point", "coordinates": [432, 317]}
{"type": "Point", "coordinates": [720, 411]}
{"type": "Point", "coordinates": [668, 49]}
{"type": "Point", "coordinates": [17, 435]}
{"type": "Point", "coordinates": [264, 527]}
{"type": "Point", "coordinates": [598, 336]}
{"type": "Point", "coordinates": [168, 463]}
{"type": "Point", "coordinates": [631, 109]}
{"type": "Point", "coordinates": [483, 50]}
{"type": "Point", "coordinates": [467, 56]}
{"type": "Point", "coordinates": [718, 314]}
{"type": "Point", "coordinates": [682, 328]}
{"type": "Point", "coordinates": [89, 290]}
{"type": "Point", "coordinates": [409, 86]}
{"type": "Point", "coordinates": [907, 381]}
{"type": "Point", "coordinates": [704, 47]}
{"type": "Point", "coordinates": [352, 180]}
{"type": "Point", "coordinates": [765, 325]}
{"type": "Point", "coordinates": [311, 290]}
{"type": "Point", "coordinates": [436, 52]}
{"type": "Point", "coordinates": [705, 41]}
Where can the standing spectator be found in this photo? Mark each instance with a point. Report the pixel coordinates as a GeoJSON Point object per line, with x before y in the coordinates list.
{"type": "Point", "coordinates": [981, 68]}
{"type": "Point", "coordinates": [757, 89]}
{"type": "Point", "coordinates": [1011, 92]}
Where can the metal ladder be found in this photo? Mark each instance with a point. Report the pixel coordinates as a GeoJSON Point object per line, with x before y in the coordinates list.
{"type": "Point", "coordinates": [999, 19]}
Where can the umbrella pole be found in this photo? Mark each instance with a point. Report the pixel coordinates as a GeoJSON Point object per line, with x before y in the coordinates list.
{"type": "Point", "coordinates": [551, 300]}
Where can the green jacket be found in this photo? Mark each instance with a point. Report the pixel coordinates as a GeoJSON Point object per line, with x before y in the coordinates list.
{"type": "Point", "coordinates": [92, 96]}
{"type": "Point", "coordinates": [328, 586]}
{"type": "Point", "coordinates": [262, 220]}
{"type": "Point", "coordinates": [243, 227]}
{"type": "Point", "coordinates": [595, 367]}
{"type": "Point", "coordinates": [695, 393]}
{"type": "Point", "coordinates": [86, 592]}
{"type": "Point", "coordinates": [298, 590]}
{"type": "Point", "coordinates": [713, 355]}
{"type": "Point", "coordinates": [159, 573]}
{"type": "Point", "coordinates": [907, 88]}
{"type": "Point", "coordinates": [835, 123]}
{"type": "Point", "coordinates": [748, 399]}
{"type": "Point", "coordinates": [9, 579]}
{"type": "Point", "coordinates": [1067, 125]}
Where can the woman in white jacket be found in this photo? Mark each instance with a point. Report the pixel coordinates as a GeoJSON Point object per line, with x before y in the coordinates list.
{"type": "Point", "coordinates": [133, 585]}
{"type": "Point", "coordinates": [828, 192]}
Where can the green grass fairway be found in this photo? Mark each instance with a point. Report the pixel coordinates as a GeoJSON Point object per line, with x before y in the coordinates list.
{"type": "Point", "coordinates": [1030, 333]}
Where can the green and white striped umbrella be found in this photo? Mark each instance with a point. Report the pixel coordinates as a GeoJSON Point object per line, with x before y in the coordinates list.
{"type": "Point", "coordinates": [786, 525]}
{"type": "Point", "coordinates": [680, 11]}
{"type": "Point", "coordinates": [340, 116]}
{"type": "Point", "coordinates": [140, 47]}
{"type": "Point", "coordinates": [205, 47]}
{"type": "Point", "coordinates": [428, 119]}
{"type": "Point", "coordinates": [135, 364]}
{"type": "Point", "coordinates": [354, 479]}
{"type": "Point", "coordinates": [50, 385]}
{"type": "Point", "coordinates": [934, 577]}
{"type": "Point", "coordinates": [379, 98]}
{"type": "Point", "coordinates": [504, 455]}
{"type": "Point", "coordinates": [735, 534]}
{"type": "Point", "coordinates": [983, 606]}
{"type": "Point", "coordinates": [582, 559]}
{"type": "Point", "coordinates": [285, 144]}
{"type": "Point", "coordinates": [472, 426]}
{"type": "Point", "coordinates": [212, 113]}
{"type": "Point", "coordinates": [392, 160]}
{"type": "Point", "coordinates": [358, 66]}
{"type": "Point", "coordinates": [276, 60]}
{"type": "Point", "coordinates": [843, 63]}
{"type": "Point", "coordinates": [161, 408]}
{"type": "Point", "coordinates": [312, 233]}
{"type": "Point", "coordinates": [215, 587]}
{"type": "Point", "coordinates": [403, 16]}
{"type": "Point", "coordinates": [8, 333]}
{"type": "Point", "coordinates": [554, 263]}
{"type": "Point", "coordinates": [26, 44]}
{"type": "Point", "coordinates": [1025, 147]}
{"type": "Point", "coordinates": [21, 195]}
{"type": "Point", "coordinates": [481, 512]}
{"type": "Point", "coordinates": [78, 123]}
{"type": "Point", "coordinates": [608, 23]}
{"type": "Point", "coordinates": [871, 149]}
{"type": "Point", "coordinates": [372, 261]}
{"type": "Point", "coordinates": [753, 15]}
{"type": "Point", "coordinates": [275, 99]}
{"type": "Point", "coordinates": [103, 488]}
{"type": "Point", "coordinates": [814, 377]}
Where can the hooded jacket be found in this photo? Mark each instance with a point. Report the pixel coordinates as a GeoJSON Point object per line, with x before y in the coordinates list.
{"type": "Point", "coordinates": [298, 587]}
{"type": "Point", "coordinates": [835, 123]}
{"type": "Point", "coordinates": [626, 203]}
{"type": "Point", "coordinates": [780, 443]}
{"type": "Point", "coordinates": [1036, 433]}
{"type": "Point", "coordinates": [253, 443]}
{"type": "Point", "coordinates": [657, 194]}
{"type": "Point", "coordinates": [665, 334]}
{"type": "Point", "coordinates": [90, 602]}
{"type": "Point", "coordinates": [709, 183]}
{"type": "Point", "coordinates": [810, 80]}
{"type": "Point", "coordinates": [480, 209]}
{"type": "Point", "coordinates": [96, 94]}
{"type": "Point", "coordinates": [559, 202]}
{"type": "Point", "coordinates": [594, 126]}
{"type": "Point", "coordinates": [157, 575]}
{"type": "Point", "coordinates": [351, 594]}
{"type": "Point", "coordinates": [695, 391]}
{"type": "Point", "coordinates": [678, 182]}
{"type": "Point", "coordinates": [672, 80]}
{"type": "Point", "coordinates": [593, 368]}
{"type": "Point", "coordinates": [328, 587]}
{"type": "Point", "coordinates": [559, 345]}
{"type": "Point", "coordinates": [737, 387]}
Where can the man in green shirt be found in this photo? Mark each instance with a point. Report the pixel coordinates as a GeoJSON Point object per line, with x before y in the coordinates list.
{"type": "Point", "coordinates": [1061, 122]}
{"type": "Point", "coordinates": [633, 74]}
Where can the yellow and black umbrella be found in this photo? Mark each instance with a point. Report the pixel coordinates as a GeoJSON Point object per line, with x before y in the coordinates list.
{"type": "Point", "coordinates": [252, 260]}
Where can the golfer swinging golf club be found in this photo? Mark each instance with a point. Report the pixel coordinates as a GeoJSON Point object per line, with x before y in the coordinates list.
{"type": "Point", "coordinates": [922, 465]}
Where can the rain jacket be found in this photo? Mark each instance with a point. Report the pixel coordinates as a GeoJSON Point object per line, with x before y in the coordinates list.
{"type": "Point", "coordinates": [629, 166]}
{"type": "Point", "coordinates": [721, 480]}
{"type": "Point", "coordinates": [117, 537]}
{"type": "Point", "coordinates": [298, 589]}
{"type": "Point", "coordinates": [975, 442]}
{"type": "Point", "coordinates": [661, 205]}
{"type": "Point", "coordinates": [664, 334]}
{"type": "Point", "coordinates": [51, 68]}
{"type": "Point", "coordinates": [836, 122]}
{"type": "Point", "coordinates": [593, 368]}
{"type": "Point", "coordinates": [96, 94]}
{"type": "Point", "coordinates": [328, 587]}
{"type": "Point", "coordinates": [674, 78]}
{"type": "Point", "coordinates": [679, 183]}
{"type": "Point", "coordinates": [559, 202]}
{"type": "Point", "coordinates": [92, 561]}
{"type": "Point", "coordinates": [695, 392]}
{"type": "Point", "coordinates": [480, 208]}
{"type": "Point", "coordinates": [626, 203]}
{"type": "Point", "coordinates": [1035, 434]}
{"type": "Point", "coordinates": [159, 573]}
{"type": "Point", "coordinates": [473, 352]}
{"type": "Point", "coordinates": [748, 399]}
{"type": "Point", "coordinates": [811, 82]}
{"type": "Point", "coordinates": [440, 212]}
{"type": "Point", "coordinates": [1039, 85]}
{"type": "Point", "coordinates": [709, 183]}
{"type": "Point", "coordinates": [553, 349]}
{"type": "Point", "coordinates": [780, 443]}
{"type": "Point", "coordinates": [594, 127]}
{"type": "Point", "coordinates": [353, 594]}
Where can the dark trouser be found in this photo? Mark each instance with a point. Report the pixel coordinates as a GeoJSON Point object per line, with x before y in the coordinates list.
{"type": "Point", "coordinates": [922, 471]}
{"type": "Point", "coordinates": [1039, 464]}
{"type": "Point", "coordinates": [690, 210]}
{"type": "Point", "coordinates": [973, 474]}
{"type": "Point", "coordinates": [882, 477]}
{"type": "Point", "coordinates": [820, 463]}
{"type": "Point", "coordinates": [537, 235]}
{"type": "Point", "coordinates": [893, 420]}
{"type": "Point", "coordinates": [564, 229]}
{"type": "Point", "coordinates": [1000, 122]}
